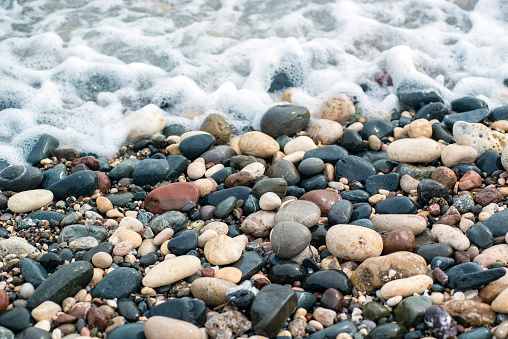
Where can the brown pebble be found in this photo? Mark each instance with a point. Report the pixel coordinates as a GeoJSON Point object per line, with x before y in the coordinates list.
{"type": "Point", "coordinates": [259, 283]}
{"type": "Point", "coordinates": [97, 318]}
{"type": "Point", "coordinates": [402, 239]}
{"type": "Point", "coordinates": [434, 209]}
{"type": "Point", "coordinates": [450, 217]}
{"type": "Point", "coordinates": [488, 195]}
{"type": "Point", "coordinates": [441, 276]}
{"type": "Point", "coordinates": [88, 161]}
{"type": "Point", "coordinates": [445, 176]}
{"type": "Point", "coordinates": [333, 300]}
{"type": "Point", "coordinates": [491, 291]}
{"type": "Point", "coordinates": [208, 272]}
{"type": "Point", "coordinates": [461, 257]}
{"type": "Point", "coordinates": [65, 319]}
{"type": "Point", "coordinates": [241, 178]}
{"type": "Point", "coordinates": [67, 329]}
{"type": "Point", "coordinates": [470, 180]}
{"type": "Point", "coordinates": [330, 263]}
{"type": "Point", "coordinates": [323, 198]}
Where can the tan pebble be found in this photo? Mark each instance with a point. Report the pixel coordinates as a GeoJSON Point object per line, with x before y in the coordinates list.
{"type": "Point", "coordinates": [500, 124]}
{"type": "Point", "coordinates": [324, 316]}
{"type": "Point", "coordinates": [131, 223]}
{"type": "Point", "coordinates": [437, 298]}
{"type": "Point", "coordinates": [132, 236]}
{"type": "Point", "coordinates": [103, 204]}
{"type": "Point", "coordinates": [394, 301]}
{"type": "Point", "coordinates": [397, 131]}
{"type": "Point", "coordinates": [172, 270]}
{"type": "Point", "coordinates": [454, 154]}
{"type": "Point", "coordinates": [241, 239]}
{"type": "Point", "coordinates": [164, 248]}
{"type": "Point", "coordinates": [163, 235]}
{"type": "Point", "coordinates": [211, 290]}
{"type": "Point", "coordinates": [278, 156]}
{"type": "Point", "coordinates": [301, 143]}
{"type": "Point", "coordinates": [301, 312]}
{"type": "Point", "coordinates": [45, 311]}
{"type": "Point", "coordinates": [374, 143]}
{"type": "Point", "coordinates": [173, 149]}
{"type": "Point", "coordinates": [420, 128]}
{"type": "Point", "coordinates": [98, 274]}
{"type": "Point", "coordinates": [294, 157]}
{"type": "Point", "coordinates": [465, 224]}
{"type": "Point", "coordinates": [148, 291]}
{"type": "Point", "coordinates": [352, 242]}
{"type": "Point", "coordinates": [132, 214]}
{"type": "Point", "coordinates": [258, 144]}
{"type": "Point", "coordinates": [102, 260]}
{"type": "Point", "coordinates": [329, 172]}
{"type": "Point", "coordinates": [222, 250]}
{"type": "Point", "coordinates": [147, 246]}
{"type": "Point", "coordinates": [377, 198]}
{"type": "Point", "coordinates": [234, 144]}
{"type": "Point", "coordinates": [325, 131]}
{"type": "Point", "coordinates": [256, 169]}
{"type": "Point", "coordinates": [390, 222]}
{"type": "Point", "coordinates": [114, 213]}
{"type": "Point", "coordinates": [356, 126]}
{"type": "Point", "coordinates": [419, 150]}
{"type": "Point", "coordinates": [205, 187]}
{"type": "Point", "coordinates": [316, 324]}
{"type": "Point", "coordinates": [231, 274]}
{"type": "Point", "coordinates": [218, 226]}
{"type": "Point", "coordinates": [68, 303]}
{"type": "Point", "coordinates": [269, 201]}
{"type": "Point", "coordinates": [212, 170]}
{"type": "Point", "coordinates": [28, 201]}
{"type": "Point", "coordinates": [406, 287]}
{"type": "Point", "coordinates": [44, 325]}
{"type": "Point", "coordinates": [479, 136]}
{"type": "Point", "coordinates": [205, 237]}
{"type": "Point", "coordinates": [131, 258]}
{"type": "Point", "coordinates": [168, 328]}
{"type": "Point", "coordinates": [451, 236]}
{"type": "Point", "coordinates": [284, 333]}
{"type": "Point", "coordinates": [80, 296]}
{"type": "Point", "coordinates": [144, 122]}
{"type": "Point", "coordinates": [338, 108]}
{"type": "Point", "coordinates": [196, 169]}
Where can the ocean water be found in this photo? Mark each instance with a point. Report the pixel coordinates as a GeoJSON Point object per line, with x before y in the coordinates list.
{"type": "Point", "coordinates": [75, 68]}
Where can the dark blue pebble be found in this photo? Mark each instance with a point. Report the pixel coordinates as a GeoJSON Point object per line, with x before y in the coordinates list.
{"type": "Point", "coordinates": [354, 168]}
{"type": "Point", "coordinates": [461, 269]}
{"type": "Point", "coordinates": [389, 182]}
{"type": "Point", "coordinates": [330, 153]}
{"type": "Point", "coordinates": [396, 205]}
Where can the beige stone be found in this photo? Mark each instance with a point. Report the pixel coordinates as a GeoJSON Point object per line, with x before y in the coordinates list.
{"type": "Point", "coordinates": [222, 250]}
{"type": "Point", "coordinates": [132, 236]}
{"type": "Point", "coordinates": [212, 170]}
{"type": "Point", "coordinates": [500, 304]}
{"type": "Point", "coordinates": [147, 246]}
{"type": "Point", "coordinates": [451, 236]}
{"type": "Point", "coordinates": [163, 235]}
{"type": "Point", "coordinates": [454, 154]}
{"type": "Point", "coordinates": [131, 223]}
{"type": "Point", "coordinates": [159, 327]}
{"type": "Point", "coordinates": [144, 123]}
{"type": "Point", "coordinates": [406, 287]}
{"type": "Point", "coordinates": [420, 150]}
{"type": "Point", "coordinates": [205, 186]}
{"type": "Point", "coordinates": [171, 270]}
{"type": "Point", "coordinates": [504, 158]}
{"type": "Point", "coordinates": [218, 226]}
{"type": "Point", "coordinates": [28, 201]}
{"type": "Point", "coordinates": [325, 131]}
{"type": "Point", "coordinates": [352, 242]}
{"type": "Point", "coordinates": [103, 204]}
{"type": "Point", "coordinates": [301, 143]}
{"type": "Point", "coordinates": [205, 237]}
{"type": "Point", "coordinates": [102, 260]}
{"type": "Point", "coordinates": [479, 136]}
{"type": "Point", "coordinates": [234, 144]}
{"type": "Point", "coordinates": [258, 144]}
{"type": "Point", "coordinates": [196, 169]}
{"type": "Point", "coordinates": [259, 223]}
{"type": "Point", "coordinates": [19, 246]}
{"type": "Point", "coordinates": [499, 251]}
{"type": "Point", "coordinates": [211, 290]}
{"type": "Point", "coordinates": [391, 222]}
{"type": "Point", "coordinates": [294, 157]}
{"type": "Point", "coordinates": [231, 274]}
{"type": "Point", "coordinates": [256, 169]}
{"type": "Point", "coordinates": [500, 125]}
{"type": "Point", "coordinates": [338, 108]}
{"type": "Point", "coordinates": [269, 201]}
{"type": "Point", "coordinates": [46, 311]}
{"type": "Point", "coordinates": [420, 128]}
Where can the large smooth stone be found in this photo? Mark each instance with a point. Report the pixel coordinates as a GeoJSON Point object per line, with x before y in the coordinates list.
{"type": "Point", "coordinates": [419, 150]}
{"type": "Point", "coordinates": [391, 222]}
{"type": "Point", "coordinates": [286, 272]}
{"type": "Point", "coordinates": [171, 197]}
{"type": "Point", "coordinates": [480, 235]}
{"type": "Point", "coordinates": [289, 239]}
{"type": "Point", "coordinates": [303, 212]}
{"type": "Point", "coordinates": [120, 283]}
{"type": "Point", "coordinates": [128, 331]}
{"type": "Point", "coordinates": [124, 169]}
{"type": "Point", "coordinates": [16, 319]}
{"type": "Point", "coordinates": [375, 272]}
{"type": "Point", "coordinates": [192, 147]}
{"type": "Point", "coordinates": [378, 127]}
{"type": "Point", "coordinates": [185, 241]}
{"type": "Point", "coordinates": [353, 167]}
{"type": "Point", "coordinates": [321, 280]}
{"type": "Point", "coordinates": [460, 270]}
{"type": "Point", "coordinates": [211, 290]}
{"type": "Point", "coordinates": [354, 243]}
{"type": "Point", "coordinates": [276, 185]}
{"type": "Point", "coordinates": [168, 328]}
{"type": "Point", "coordinates": [284, 119]}
{"type": "Point", "coordinates": [82, 183]}
{"type": "Point", "coordinates": [33, 272]}
{"type": "Point", "coordinates": [355, 196]}
{"type": "Point", "coordinates": [190, 310]}
{"type": "Point", "coordinates": [477, 279]}
{"type": "Point", "coordinates": [65, 282]}
{"type": "Point", "coordinates": [215, 198]}
{"type": "Point", "coordinates": [171, 270]}
{"type": "Point", "coordinates": [270, 309]}
{"type": "Point", "coordinates": [18, 178]}
{"type": "Point", "coordinates": [150, 171]}
{"type": "Point", "coordinates": [222, 250]}
{"type": "Point", "coordinates": [329, 154]}
{"type": "Point", "coordinates": [474, 116]}
{"type": "Point", "coordinates": [466, 104]}
{"type": "Point", "coordinates": [325, 131]}
{"type": "Point", "coordinates": [29, 200]}
{"type": "Point", "coordinates": [42, 149]}
{"type": "Point", "coordinates": [324, 199]}
{"type": "Point", "coordinates": [286, 170]}
{"type": "Point", "coordinates": [258, 144]}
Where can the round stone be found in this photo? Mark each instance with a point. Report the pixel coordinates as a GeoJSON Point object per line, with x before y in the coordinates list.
{"type": "Point", "coordinates": [311, 166]}
{"type": "Point", "coordinates": [269, 201]}
{"type": "Point", "coordinates": [29, 200]}
{"type": "Point", "coordinates": [454, 154]}
{"type": "Point", "coordinates": [164, 327]}
{"type": "Point", "coordinates": [420, 150]}
{"type": "Point", "coordinates": [420, 128]}
{"type": "Point", "coordinates": [222, 250]}
{"type": "Point", "coordinates": [196, 169]}
{"type": "Point", "coordinates": [231, 274]}
{"type": "Point", "coordinates": [299, 144]}
{"type": "Point", "coordinates": [352, 242]}
{"type": "Point", "coordinates": [285, 119]}
{"type": "Point", "coordinates": [102, 260]}
{"type": "Point", "coordinates": [402, 239]}
{"type": "Point", "coordinates": [303, 212]}
{"type": "Point", "coordinates": [289, 239]}
{"type": "Point", "coordinates": [18, 178]}
{"type": "Point", "coordinates": [325, 131]}
{"type": "Point", "coordinates": [258, 144]}
{"type": "Point", "coordinates": [211, 290]}
{"type": "Point", "coordinates": [171, 270]}
{"type": "Point", "coordinates": [338, 108]}
{"type": "Point", "coordinates": [195, 145]}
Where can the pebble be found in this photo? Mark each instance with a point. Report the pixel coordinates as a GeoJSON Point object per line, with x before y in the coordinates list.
{"type": "Point", "coordinates": [420, 150]}
{"type": "Point", "coordinates": [451, 236]}
{"type": "Point", "coordinates": [289, 239]}
{"type": "Point", "coordinates": [324, 199]}
{"type": "Point", "coordinates": [231, 274]}
{"type": "Point", "coordinates": [500, 303]}
{"type": "Point", "coordinates": [260, 223]}
{"type": "Point", "coordinates": [102, 260]}
{"type": "Point", "coordinates": [324, 316]}
{"type": "Point", "coordinates": [420, 128]}
{"type": "Point", "coordinates": [20, 247]}
{"type": "Point", "coordinates": [258, 144]}
{"type": "Point", "coordinates": [196, 169]}
{"type": "Point", "coordinates": [338, 108]}
{"type": "Point", "coordinates": [402, 239]}
{"type": "Point", "coordinates": [256, 169]}
{"type": "Point", "coordinates": [301, 143]}
{"type": "Point", "coordinates": [354, 168]}
{"type": "Point", "coordinates": [303, 212]}
{"type": "Point", "coordinates": [19, 178]}
{"type": "Point", "coordinates": [269, 201]}
{"type": "Point", "coordinates": [391, 222]}
{"type": "Point", "coordinates": [222, 250]}
{"type": "Point", "coordinates": [325, 131]}
{"type": "Point", "coordinates": [473, 313]}
{"type": "Point", "coordinates": [171, 197]}
{"type": "Point", "coordinates": [406, 287]}
{"type": "Point", "coordinates": [45, 311]}
{"type": "Point", "coordinates": [454, 154]}
{"type": "Point", "coordinates": [144, 122]}
{"type": "Point", "coordinates": [287, 119]}
{"type": "Point", "coordinates": [28, 201]}
{"type": "Point", "coordinates": [171, 270]}
{"type": "Point", "coordinates": [479, 136]}
{"type": "Point", "coordinates": [157, 327]}
{"type": "Point", "coordinates": [355, 243]}
{"type": "Point", "coordinates": [103, 204]}
{"type": "Point", "coordinates": [211, 290]}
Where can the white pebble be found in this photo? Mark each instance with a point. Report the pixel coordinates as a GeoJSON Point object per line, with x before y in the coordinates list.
{"type": "Point", "coordinates": [393, 301]}
{"type": "Point", "coordinates": [269, 201]}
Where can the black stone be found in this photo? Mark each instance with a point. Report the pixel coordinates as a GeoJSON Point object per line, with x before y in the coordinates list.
{"type": "Point", "coordinates": [82, 183]}
{"type": "Point", "coordinates": [440, 133]}
{"type": "Point", "coordinates": [439, 322]}
{"type": "Point", "coordinates": [249, 264]}
{"type": "Point", "coordinates": [186, 309]}
{"type": "Point", "coordinates": [173, 129]}
{"type": "Point", "coordinates": [46, 215]}
{"type": "Point", "coordinates": [497, 223]}
{"type": "Point", "coordinates": [275, 185]}
{"type": "Point", "coordinates": [321, 280]}
{"type": "Point", "coordinates": [270, 309]}
{"type": "Point", "coordinates": [50, 261]}
{"type": "Point", "coordinates": [120, 199]}
{"type": "Point", "coordinates": [177, 165]}
{"type": "Point", "coordinates": [354, 168]}
{"type": "Point", "coordinates": [480, 235]}
{"type": "Point", "coordinates": [280, 81]}
{"type": "Point", "coordinates": [295, 191]}
{"type": "Point", "coordinates": [428, 189]}
{"type": "Point", "coordinates": [286, 272]}
{"type": "Point", "coordinates": [466, 104]}
{"type": "Point", "coordinates": [435, 110]}
{"type": "Point", "coordinates": [317, 182]}
{"type": "Point", "coordinates": [32, 271]}
{"type": "Point", "coordinates": [102, 247]}
{"type": "Point", "coordinates": [128, 309]}
{"type": "Point", "coordinates": [238, 162]}
{"type": "Point", "coordinates": [148, 259]}
{"type": "Point", "coordinates": [306, 300]}
{"type": "Point", "coordinates": [464, 168]}
{"type": "Point", "coordinates": [346, 326]}
{"type": "Point", "coordinates": [396, 205]}
{"type": "Point", "coordinates": [355, 196]}
{"type": "Point", "coordinates": [33, 333]}
{"type": "Point", "coordinates": [340, 213]}
{"type": "Point", "coordinates": [16, 319]}
{"type": "Point", "coordinates": [18, 178]}
{"type": "Point", "coordinates": [52, 176]}
{"type": "Point", "coordinates": [120, 283]}
{"type": "Point", "coordinates": [124, 169]}
{"type": "Point", "coordinates": [192, 147]}
{"type": "Point", "coordinates": [351, 141]}
{"type": "Point", "coordinates": [42, 149]}
{"type": "Point", "coordinates": [417, 98]}
{"type": "Point", "coordinates": [221, 175]}
{"type": "Point", "coordinates": [329, 154]}
{"type": "Point", "coordinates": [387, 331]}
{"type": "Point", "coordinates": [251, 205]}
{"type": "Point", "coordinates": [474, 116]}
{"type": "Point", "coordinates": [150, 171]}
{"type": "Point", "coordinates": [241, 296]}
{"type": "Point", "coordinates": [477, 333]}
{"type": "Point", "coordinates": [378, 127]}
{"type": "Point", "coordinates": [489, 162]}
{"type": "Point", "coordinates": [361, 212]}
{"type": "Point", "coordinates": [286, 170]}
{"type": "Point", "coordinates": [443, 263]}
{"type": "Point", "coordinates": [218, 154]}
{"type": "Point", "coordinates": [215, 198]}
{"type": "Point", "coordinates": [183, 242]}
{"type": "Point", "coordinates": [477, 279]}
{"type": "Point", "coordinates": [65, 282]}
{"type": "Point", "coordinates": [172, 219]}
{"type": "Point", "coordinates": [389, 182]}
{"type": "Point", "coordinates": [318, 234]}
{"type": "Point", "coordinates": [461, 269]}
{"type": "Point", "coordinates": [428, 252]}
{"type": "Point", "coordinates": [284, 119]}
{"type": "Point", "coordinates": [500, 113]}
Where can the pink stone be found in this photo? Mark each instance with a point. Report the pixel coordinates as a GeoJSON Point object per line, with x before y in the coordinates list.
{"type": "Point", "coordinates": [323, 198]}
{"type": "Point", "coordinates": [171, 197]}
{"type": "Point", "coordinates": [485, 259]}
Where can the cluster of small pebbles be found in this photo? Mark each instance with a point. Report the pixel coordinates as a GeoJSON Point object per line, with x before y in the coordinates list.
{"type": "Point", "coordinates": [352, 225]}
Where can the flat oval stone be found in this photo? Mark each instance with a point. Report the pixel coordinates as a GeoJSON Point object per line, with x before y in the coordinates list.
{"type": "Point", "coordinates": [185, 241]}
{"type": "Point", "coordinates": [32, 271]}
{"type": "Point", "coordinates": [177, 221]}
{"type": "Point", "coordinates": [324, 199]}
{"type": "Point", "coordinates": [354, 243]}
{"type": "Point", "coordinates": [389, 182]}
{"type": "Point", "coordinates": [259, 223]}
{"type": "Point", "coordinates": [211, 290]}
{"type": "Point", "coordinates": [289, 239]}
{"type": "Point", "coordinates": [329, 154]}
{"type": "Point", "coordinates": [287, 119]}
{"type": "Point", "coordinates": [82, 183]}
{"type": "Point", "coordinates": [190, 310]}
{"type": "Point", "coordinates": [286, 170]}
{"type": "Point", "coordinates": [490, 162]}
{"type": "Point", "coordinates": [390, 222]}
{"type": "Point", "coordinates": [65, 282]}
{"type": "Point", "coordinates": [435, 250]}
{"type": "Point", "coordinates": [16, 319]}
{"type": "Point", "coordinates": [218, 154]}
{"type": "Point", "coordinates": [396, 205]}
{"type": "Point", "coordinates": [420, 150]}
{"type": "Point", "coordinates": [378, 127]}
{"type": "Point", "coordinates": [18, 178]}
{"type": "Point", "coordinates": [402, 239]}
{"type": "Point", "coordinates": [270, 309]}
{"type": "Point", "coordinates": [311, 166]}
{"type": "Point", "coordinates": [286, 272]}
{"type": "Point", "coordinates": [275, 185]}
{"type": "Point", "coordinates": [258, 144]}
{"type": "Point", "coordinates": [340, 213]}
{"type": "Point", "coordinates": [353, 168]}
{"type": "Point", "coordinates": [355, 196]}
{"type": "Point", "coordinates": [325, 131]}
{"type": "Point", "coordinates": [29, 200]}
{"type": "Point", "coordinates": [20, 247]}
{"type": "Point", "coordinates": [406, 287]}
{"type": "Point", "coordinates": [387, 331]}
{"type": "Point", "coordinates": [480, 235]}
{"type": "Point", "coordinates": [303, 212]}
{"type": "Point", "coordinates": [171, 197]}
{"type": "Point", "coordinates": [222, 250]}
{"type": "Point", "coordinates": [120, 283]}
{"type": "Point", "coordinates": [466, 104]}
{"type": "Point", "coordinates": [177, 165]}
{"type": "Point", "coordinates": [193, 146]}
{"type": "Point", "coordinates": [322, 280]}
{"type": "Point", "coordinates": [451, 236]}
{"type": "Point", "coordinates": [215, 198]}
{"type": "Point", "coordinates": [124, 169]}
{"type": "Point", "coordinates": [158, 327]}
{"type": "Point", "coordinates": [128, 331]}
{"type": "Point", "coordinates": [53, 175]}
{"type": "Point", "coordinates": [150, 171]}
{"type": "Point", "coordinates": [352, 141]}
{"type": "Point", "coordinates": [249, 264]}
{"type": "Point", "coordinates": [171, 270]}
{"type": "Point", "coordinates": [477, 279]}
{"type": "Point", "coordinates": [474, 116]}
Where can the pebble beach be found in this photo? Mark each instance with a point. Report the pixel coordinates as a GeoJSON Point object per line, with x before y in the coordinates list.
{"type": "Point", "coordinates": [321, 224]}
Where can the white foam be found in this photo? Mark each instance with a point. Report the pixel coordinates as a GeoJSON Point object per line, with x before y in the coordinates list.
{"type": "Point", "coordinates": [75, 69]}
